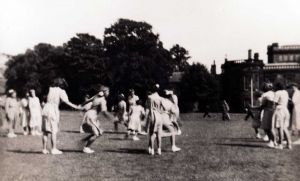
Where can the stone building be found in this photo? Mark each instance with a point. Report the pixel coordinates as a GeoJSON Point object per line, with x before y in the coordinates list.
{"type": "Point", "coordinates": [241, 78]}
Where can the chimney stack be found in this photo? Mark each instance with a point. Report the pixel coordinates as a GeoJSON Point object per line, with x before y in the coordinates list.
{"type": "Point", "coordinates": [249, 54]}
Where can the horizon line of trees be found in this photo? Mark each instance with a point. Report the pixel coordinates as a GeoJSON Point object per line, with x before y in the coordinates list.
{"type": "Point", "coordinates": [130, 55]}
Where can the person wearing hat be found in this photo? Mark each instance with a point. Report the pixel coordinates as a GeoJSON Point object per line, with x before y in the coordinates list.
{"type": "Point", "coordinates": [12, 110]}
{"type": "Point", "coordinates": [296, 111]}
{"type": "Point", "coordinates": [51, 113]}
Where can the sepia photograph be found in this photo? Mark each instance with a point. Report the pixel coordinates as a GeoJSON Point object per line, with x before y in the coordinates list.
{"type": "Point", "coordinates": [117, 90]}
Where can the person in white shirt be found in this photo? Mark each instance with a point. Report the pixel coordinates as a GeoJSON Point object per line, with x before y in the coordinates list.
{"type": "Point", "coordinates": [281, 116]}
{"type": "Point", "coordinates": [296, 110]}
{"type": "Point", "coordinates": [266, 101]}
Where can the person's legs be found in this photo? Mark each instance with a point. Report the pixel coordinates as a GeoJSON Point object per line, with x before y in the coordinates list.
{"type": "Point", "coordinates": [288, 137]}
{"type": "Point", "coordinates": [45, 140]}
{"type": "Point", "coordinates": [53, 141]}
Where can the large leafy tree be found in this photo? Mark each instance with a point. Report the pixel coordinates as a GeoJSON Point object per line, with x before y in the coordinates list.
{"type": "Point", "coordinates": [137, 57]}
{"type": "Point", "coordinates": [180, 57]}
{"type": "Point", "coordinates": [198, 86]}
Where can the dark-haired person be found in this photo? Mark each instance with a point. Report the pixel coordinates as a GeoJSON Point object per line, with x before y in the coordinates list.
{"type": "Point", "coordinates": [266, 101]}
{"type": "Point", "coordinates": [50, 113]}
{"type": "Point", "coordinates": [12, 110]}
{"type": "Point", "coordinates": [154, 119]}
{"type": "Point", "coordinates": [281, 116]}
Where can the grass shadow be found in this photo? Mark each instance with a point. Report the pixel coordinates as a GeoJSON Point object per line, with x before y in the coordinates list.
{"type": "Point", "coordinates": [118, 139]}
{"type": "Point", "coordinates": [71, 151]}
{"type": "Point", "coordinates": [25, 151]}
{"type": "Point", "coordinates": [128, 151]}
{"type": "Point", "coordinates": [114, 132]}
{"type": "Point", "coordinates": [70, 131]}
{"type": "Point", "coordinates": [241, 145]}
{"type": "Point", "coordinates": [244, 139]}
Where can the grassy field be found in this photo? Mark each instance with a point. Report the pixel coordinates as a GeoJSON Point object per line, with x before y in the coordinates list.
{"type": "Point", "coordinates": [211, 150]}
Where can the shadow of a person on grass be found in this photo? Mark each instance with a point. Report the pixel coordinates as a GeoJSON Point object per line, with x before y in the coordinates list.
{"type": "Point", "coordinates": [40, 152]}
{"type": "Point", "coordinates": [128, 151]}
{"type": "Point", "coordinates": [242, 145]}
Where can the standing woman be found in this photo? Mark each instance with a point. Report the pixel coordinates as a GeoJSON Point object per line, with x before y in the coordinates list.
{"type": "Point", "coordinates": [296, 111]}
{"type": "Point", "coordinates": [35, 110]}
{"type": "Point", "coordinates": [51, 113]}
{"type": "Point", "coordinates": [132, 98]}
{"type": "Point", "coordinates": [24, 115]}
{"type": "Point", "coordinates": [12, 110]}
{"type": "Point", "coordinates": [266, 101]}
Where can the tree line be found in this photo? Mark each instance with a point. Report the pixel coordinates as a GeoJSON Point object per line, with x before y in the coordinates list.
{"type": "Point", "coordinates": [130, 55]}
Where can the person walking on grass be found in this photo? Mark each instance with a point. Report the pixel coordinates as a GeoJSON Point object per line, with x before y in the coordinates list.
{"type": "Point", "coordinates": [12, 110]}
{"type": "Point", "coordinates": [136, 115]}
{"type": "Point", "coordinates": [225, 111]}
{"type": "Point", "coordinates": [121, 116]}
{"type": "Point", "coordinates": [25, 115]}
{"type": "Point", "coordinates": [281, 116]}
{"type": "Point", "coordinates": [35, 110]}
{"type": "Point", "coordinates": [51, 113]}
{"type": "Point", "coordinates": [154, 119]}
{"type": "Point", "coordinates": [296, 111]}
{"type": "Point", "coordinates": [267, 105]}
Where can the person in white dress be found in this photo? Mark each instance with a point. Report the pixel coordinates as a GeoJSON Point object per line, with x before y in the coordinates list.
{"type": "Point", "coordinates": [132, 98]}
{"type": "Point", "coordinates": [136, 115]}
{"type": "Point", "coordinates": [35, 110]}
{"type": "Point", "coordinates": [51, 114]}
{"type": "Point", "coordinates": [281, 116]}
{"type": "Point", "coordinates": [25, 115]}
{"type": "Point", "coordinates": [296, 111]}
{"type": "Point", "coordinates": [12, 110]}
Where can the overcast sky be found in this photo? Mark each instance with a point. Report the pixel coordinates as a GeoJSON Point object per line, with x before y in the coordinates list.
{"type": "Point", "coordinates": [208, 29]}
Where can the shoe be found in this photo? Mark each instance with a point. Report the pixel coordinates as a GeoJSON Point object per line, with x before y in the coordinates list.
{"type": "Point", "coordinates": [88, 150]}
{"type": "Point", "coordinates": [289, 147]}
{"type": "Point", "coordinates": [297, 142]}
{"type": "Point", "coordinates": [175, 148]}
{"type": "Point", "coordinates": [143, 133]}
{"type": "Point", "coordinates": [258, 136]}
{"type": "Point", "coordinates": [56, 152]}
{"type": "Point", "coordinates": [179, 132]}
{"type": "Point", "coordinates": [284, 142]}
{"type": "Point", "coordinates": [25, 133]}
{"type": "Point", "coordinates": [159, 151]}
{"type": "Point", "coordinates": [45, 151]}
{"type": "Point", "coordinates": [11, 135]}
{"type": "Point", "coordinates": [271, 144]}
{"type": "Point", "coordinates": [33, 133]}
{"type": "Point", "coordinates": [280, 147]}
{"type": "Point", "coordinates": [135, 138]}
{"type": "Point", "coordinates": [266, 138]}
{"type": "Point", "coordinates": [151, 151]}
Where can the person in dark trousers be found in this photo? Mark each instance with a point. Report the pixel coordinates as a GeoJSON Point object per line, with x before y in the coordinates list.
{"type": "Point", "coordinates": [249, 113]}
{"type": "Point", "coordinates": [206, 111]}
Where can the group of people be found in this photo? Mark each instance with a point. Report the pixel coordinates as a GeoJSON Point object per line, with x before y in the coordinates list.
{"type": "Point", "coordinates": [158, 119]}
{"type": "Point", "coordinates": [273, 114]}
{"type": "Point", "coordinates": [27, 112]}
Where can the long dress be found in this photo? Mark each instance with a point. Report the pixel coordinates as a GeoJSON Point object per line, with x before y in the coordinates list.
{"type": "Point", "coordinates": [50, 111]}
{"type": "Point", "coordinates": [281, 115]}
{"type": "Point", "coordinates": [268, 109]}
{"type": "Point", "coordinates": [296, 110]}
{"type": "Point", "coordinates": [154, 105]}
{"type": "Point", "coordinates": [24, 112]}
{"type": "Point", "coordinates": [35, 112]}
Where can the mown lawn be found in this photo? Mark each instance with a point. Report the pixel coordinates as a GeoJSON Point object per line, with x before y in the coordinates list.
{"type": "Point", "coordinates": [211, 150]}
